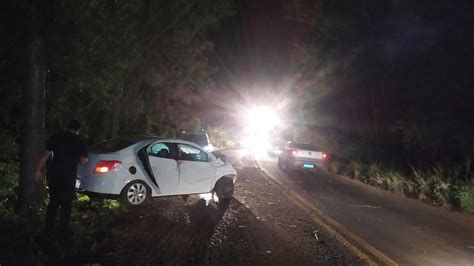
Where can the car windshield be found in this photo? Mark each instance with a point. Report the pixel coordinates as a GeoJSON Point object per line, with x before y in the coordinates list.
{"type": "Point", "coordinates": [199, 139]}
{"type": "Point", "coordinates": [303, 146]}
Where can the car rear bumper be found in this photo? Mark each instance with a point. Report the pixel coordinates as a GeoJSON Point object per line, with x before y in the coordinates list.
{"type": "Point", "coordinates": [101, 184]}
{"type": "Point", "coordinates": [306, 163]}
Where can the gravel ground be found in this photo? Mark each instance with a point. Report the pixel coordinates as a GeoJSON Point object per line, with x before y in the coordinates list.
{"type": "Point", "coordinates": [259, 227]}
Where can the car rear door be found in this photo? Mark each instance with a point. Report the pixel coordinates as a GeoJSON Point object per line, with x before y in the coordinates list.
{"type": "Point", "coordinates": [164, 165]}
{"type": "Point", "coordinates": [197, 174]}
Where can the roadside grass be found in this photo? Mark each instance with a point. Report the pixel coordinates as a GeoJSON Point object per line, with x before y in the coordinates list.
{"type": "Point", "coordinates": [465, 198]}
{"type": "Point", "coordinates": [438, 185]}
{"type": "Point", "coordinates": [8, 187]}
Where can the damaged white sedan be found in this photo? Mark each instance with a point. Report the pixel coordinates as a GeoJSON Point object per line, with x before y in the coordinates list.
{"type": "Point", "coordinates": [138, 168]}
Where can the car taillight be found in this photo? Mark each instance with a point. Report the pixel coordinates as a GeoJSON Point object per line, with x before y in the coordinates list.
{"type": "Point", "coordinates": [105, 166]}
{"type": "Point", "coordinates": [292, 152]}
{"type": "Point", "coordinates": [325, 155]}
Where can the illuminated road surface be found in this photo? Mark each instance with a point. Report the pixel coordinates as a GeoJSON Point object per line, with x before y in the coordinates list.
{"type": "Point", "coordinates": [405, 230]}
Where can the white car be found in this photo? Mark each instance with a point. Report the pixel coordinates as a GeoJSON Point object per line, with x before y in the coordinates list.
{"type": "Point", "coordinates": [137, 168]}
{"type": "Point", "coordinates": [301, 155]}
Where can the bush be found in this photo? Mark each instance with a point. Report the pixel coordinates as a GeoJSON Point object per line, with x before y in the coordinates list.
{"type": "Point", "coordinates": [376, 174]}
{"type": "Point", "coordinates": [338, 167]}
{"type": "Point", "coordinates": [8, 173]}
{"type": "Point", "coordinates": [409, 187]}
{"type": "Point", "coordinates": [8, 188]}
{"type": "Point", "coordinates": [438, 185]}
{"type": "Point", "coordinates": [465, 197]}
{"type": "Point", "coordinates": [421, 185]}
{"type": "Point", "coordinates": [358, 170]}
{"type": "Point", "coordinates": [394, 181]}
{"type": "Point", "coordinates": [220, 137]}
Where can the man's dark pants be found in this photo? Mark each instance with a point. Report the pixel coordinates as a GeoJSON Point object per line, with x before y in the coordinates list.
{"type": "Point", "coordinates": [61, 194]}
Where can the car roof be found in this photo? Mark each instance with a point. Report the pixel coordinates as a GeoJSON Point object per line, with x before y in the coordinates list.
{"type": "Point", "coordinates": [177, 141]}
{"type": "Point", "coordinates": [134, 141]}
{"type": "Point", "coordinates": [151, 139]}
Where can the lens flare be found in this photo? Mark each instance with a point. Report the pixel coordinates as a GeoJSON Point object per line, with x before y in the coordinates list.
{"type": "Point", "coordinates": [262, 119]}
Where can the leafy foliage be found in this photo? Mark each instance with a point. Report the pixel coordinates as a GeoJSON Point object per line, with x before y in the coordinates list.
{"type": "Point", "coordinates": [120, 67]}
{"type": "Point", "coordinates": [220, 137]}
{"type": "Point", "coordinates": [130, 67]}
{"type": "Point", "coordinates": [439, 185]}
{"type": "Point", "coordinates": [465, 197]}
{"type": "Point", "coordinates": [8, 173]}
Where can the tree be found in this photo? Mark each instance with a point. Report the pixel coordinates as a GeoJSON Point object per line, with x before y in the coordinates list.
{"type": "Point", "coordinates": [32, 131]}
{"type": "Point", "coordinates": [121, 67]}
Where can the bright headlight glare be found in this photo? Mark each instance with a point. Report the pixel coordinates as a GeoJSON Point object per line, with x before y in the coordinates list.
{"type": "Point", "coordinates": [262, 118]}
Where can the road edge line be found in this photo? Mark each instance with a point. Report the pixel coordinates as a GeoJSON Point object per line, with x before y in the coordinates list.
{"type": "Point", "coordinates": [326, 222]}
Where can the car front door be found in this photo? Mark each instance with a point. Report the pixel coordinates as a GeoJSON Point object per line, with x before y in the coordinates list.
{"type": "Point", "coordinates": [196, 172]}
{"type": "Point", "coordinates": [164, 165]}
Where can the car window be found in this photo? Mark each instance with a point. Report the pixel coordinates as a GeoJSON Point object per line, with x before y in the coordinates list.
{"type": "Point", "coordinates": [303, 146]}
{"type": "Point", "coordinates": [162, 150]}
{"type": "Point", "coordinates": [190, 153]}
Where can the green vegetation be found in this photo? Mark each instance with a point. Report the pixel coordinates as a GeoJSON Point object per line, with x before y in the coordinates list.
{"type": "Point", "coordinates": [8, 174]}
{"type": "Point", "coordinates": [220, 137]}
{"type": "Point", "coordinates": [93, 221]}
{"type": "Point", "coordinates": [438, 185]}
{"type": "Point", "coordinates": [464, 196]}
{"type": "Point", "coordinates": [121, 68]}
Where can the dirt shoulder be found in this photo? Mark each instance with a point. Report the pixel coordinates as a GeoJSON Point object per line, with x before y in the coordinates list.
{"type": "Point", "coordinates": [259, 227]}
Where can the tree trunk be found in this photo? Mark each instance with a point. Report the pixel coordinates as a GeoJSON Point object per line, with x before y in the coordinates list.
{"type": "Point", "coordinates": [32, 131]}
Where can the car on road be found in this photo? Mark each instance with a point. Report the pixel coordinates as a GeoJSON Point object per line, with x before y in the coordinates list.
{"type": "Point", "coordinates": [138, 168]}
{"type": "Point", "coordinates": [275, 147]}
{"type": "Point", "coordinates": [301, 155]}
{"type": "Point", "coordinates": [201, 139]}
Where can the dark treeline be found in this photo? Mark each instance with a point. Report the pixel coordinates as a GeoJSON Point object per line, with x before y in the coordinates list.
{"type": "Point", "coordinates": [120, 67]}
{"type": "Point", "coordinates": [391, 80]}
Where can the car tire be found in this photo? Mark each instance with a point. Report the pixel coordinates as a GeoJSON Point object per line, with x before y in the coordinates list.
{"type": "Point", "coordinates": [223, 191]}
{"type": "Point", "coordinates": [135, 193]}
{"type": "Point", "coordinates": [223, 204]}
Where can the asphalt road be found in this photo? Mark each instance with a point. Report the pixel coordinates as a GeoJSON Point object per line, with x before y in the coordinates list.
{"type": "Point", "coordinates": [390, 227]}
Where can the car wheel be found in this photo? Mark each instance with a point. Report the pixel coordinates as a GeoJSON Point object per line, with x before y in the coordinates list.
{"type": "Point", "coordinates": [135, 193]}
{"type": "Point", "coordinates": [223, 191]}
{"type": "Point", "coordinates": [223, 204]}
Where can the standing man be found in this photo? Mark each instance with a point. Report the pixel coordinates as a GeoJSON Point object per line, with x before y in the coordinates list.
{"type": "Point", "coordinates": [68, 150]}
